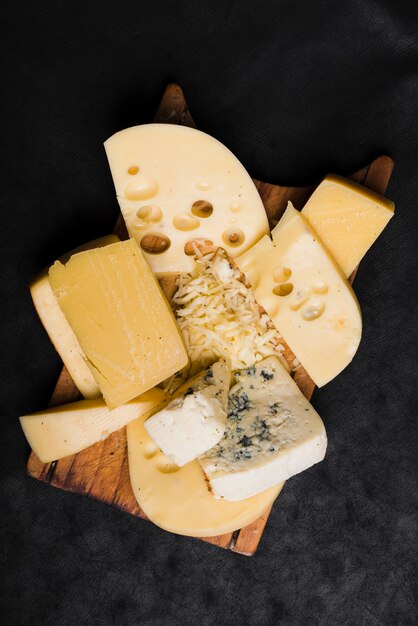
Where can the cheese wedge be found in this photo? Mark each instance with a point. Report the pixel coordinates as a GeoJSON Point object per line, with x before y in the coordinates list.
{"type": "Point", "coordinates": [348, 218]}
{"type": "Point", "coordinates": [121, 319]}
{"type": "Point", "coordinates": [272, 433]}
{"type": "Point", "coordinates": [175, 184]}
{"type": "Point", "coordinates": [177, 499]}
{"type": "Point", "coordinates": [68, 429]}
{"type": "Point", "coordinates": [306, 295]}
{"type": "Point", "coordinates": [59, 330]}
{"type": "Point", "coordinates": [195, 419]}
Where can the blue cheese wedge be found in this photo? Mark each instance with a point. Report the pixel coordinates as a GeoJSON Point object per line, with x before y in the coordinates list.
{"type": "Point", "coordinates": [194, 421]}
{"type": "Point", "coordinates": [272, 433]}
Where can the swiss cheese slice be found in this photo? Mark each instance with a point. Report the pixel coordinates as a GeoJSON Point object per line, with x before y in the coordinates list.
{"type": "Point", "coordinates": [306, 295]}
{"type": "Point", "coordinates": [195, 419]}
{"type": "Point", "coordinates": [59, 330]}
{"type": "Point", "coordinates": [348, 218]}
{"type": "Point", "coordinates": [121, 319]}
{"type": "Point", "coordinates": [70, 428]}
{"type": "Point", "coordinates": [175, 184]}
{"type": "Point", "coordinates": [178, 499]}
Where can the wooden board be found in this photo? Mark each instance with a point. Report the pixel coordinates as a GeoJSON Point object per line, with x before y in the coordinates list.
{"type": "Point", "coordinates": [101, 471]}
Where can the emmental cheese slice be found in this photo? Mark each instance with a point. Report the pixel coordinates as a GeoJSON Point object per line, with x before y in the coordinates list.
{"type": "Point", "coordinates": [195, 419]}
{"type": "Point", "coordinates": [59, 330]}
{"type": "Point", "coordinates": [175, 184]}
{"type": "Point", "coordinates": [177, 499]}
{"type": "Point", "coordinates": [68, 429]}
{"type": "Point", "coordinates": [306, 295]}
{"type": "Point", "coordinates": [272, 433]}
{"type": "Point", "coordinates": [348, 218]}
{"type": "Point", "coordinates": [121, 319]}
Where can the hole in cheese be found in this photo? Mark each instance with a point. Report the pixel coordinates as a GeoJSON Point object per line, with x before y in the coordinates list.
{"type": "Point", "coordinates": [202, 208]}
{"type": "Point", "coordinates": [166, 465]}
{"type": "Point", "coordinates": [185, 222]}
{"type": "Point", "coordinates": [320, 287]}
{"type": "Point", "coordinates": [133, 170]}
{"type": "Point", "coordinates": [141, 189]}
{"type": "Point", "coordinates": [149, 213]}
{"type": "Point", "coordinates": [281, 274]}
{"type": "Point", "coordinates": [313, 310]}
{"type": "Point", "coordinates": [283, 289]}
{"type": "Point", "coordinates": [233, 237]}
{"type": "Point", "coordinates": [155, 243]}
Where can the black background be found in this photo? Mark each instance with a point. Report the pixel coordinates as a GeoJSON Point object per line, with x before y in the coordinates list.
{"type": "Point", "coordinates": [295, 89]}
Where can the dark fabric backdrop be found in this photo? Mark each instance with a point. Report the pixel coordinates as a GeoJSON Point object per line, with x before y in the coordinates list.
{"type": "Point", "coordinates": [295, 89]}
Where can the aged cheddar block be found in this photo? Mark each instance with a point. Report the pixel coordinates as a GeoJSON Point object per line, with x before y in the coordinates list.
{"type": "Point", "coordinates": [306, 295]}
{"type": "Point", "coordinates": [178, 498]}
{"type": "Point", "coordinates": [59, 330]}
{"type": "Point", "coordinates": [272, 433]}
{"type": "Point", "coordinates": [195, 418]}
{"type": "Point", "coordinates": [175, 184]}
{"type": "Point", "coordinates": [348, 218]}
{"type": "Point", "coordinates": [121, 319]}
{"type": "Point", "coordinates": [70, 428]}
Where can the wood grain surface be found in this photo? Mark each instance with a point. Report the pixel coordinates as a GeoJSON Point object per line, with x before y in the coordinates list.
{"type": "Point", "coordinates": [101, 471]}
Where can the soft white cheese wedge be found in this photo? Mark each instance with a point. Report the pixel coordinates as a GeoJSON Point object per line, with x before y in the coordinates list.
{"type": "Point", "coordinates": [195, 419]}
{"type": "Point", "coordinates": [272, 433]}
{"type": "Point", "coordinates": [70, 428]}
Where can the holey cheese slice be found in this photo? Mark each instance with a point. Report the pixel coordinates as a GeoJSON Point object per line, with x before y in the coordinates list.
{"type": "Point", "coordinates": [177, 498]}
{"type": "Point", "coordinates": [348, 218]}
{"type": "Point", "coordinates": [272, 433]}
{"type": "Point", "coordinates": [68, 429]}
{"type": "Point", "coordinates": [121, 319]}
{"type": "Point", "coordinates": [175, 184]}
{"type": "Point", "coordinates": [59, 330]}
{"type": "Point", "coordinates": [306, 295]}
{"type": "Point", "coordinates": [195, 419]}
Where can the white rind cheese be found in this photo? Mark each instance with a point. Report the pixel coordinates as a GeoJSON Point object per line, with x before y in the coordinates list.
{"type": "Point", "coordinates": [177, 184]}
{"type": "Point", "coordinates": [70, 428]}
{"type": "Point", "coordinates": [272, 433]}
{"type": "Point", "coordinates": [195, 419]}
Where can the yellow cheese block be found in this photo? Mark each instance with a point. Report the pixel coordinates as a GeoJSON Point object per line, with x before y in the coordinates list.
{"type": "Point", "coordinates": [59, 330]}
{"type": "Point", "coordinates": [348, 218]}
{"type": "Point", "coordinates": [305, 293]}
{"type": "Point", "coordinates": [174, 184]}
{"type": "Point", "coordinates": [121, 319]}
{"type": "Point", "coordinates": [177, 499]}
{"type": "Point", "coordinates": [68, 429]}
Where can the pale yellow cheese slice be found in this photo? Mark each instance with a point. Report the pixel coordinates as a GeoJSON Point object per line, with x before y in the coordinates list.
{"type": "Point", "coordinates": [59, 330]}
{"type": "Point", "coordinates": [348, 218]}
{"type": "Point", "coordinates": [177, 184]}
{"type": "Point", "coordinates": [121, 319]}
{"type": "Point", "coordinates": [177, 499]}
{"type": "Point", "coordinates": [70, 428]}
{"type": "Point", "coordinates": [306, 295]}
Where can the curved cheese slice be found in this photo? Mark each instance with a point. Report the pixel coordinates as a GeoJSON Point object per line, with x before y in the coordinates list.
{"type": "Point", "coordinates": [178, 499]}
{"type": "Point", "coordinates": [174, 184]}
{"type": "Point", "coordinates": [59, 330]}
{"type": "Point", "coordinates": [70, 428]}
{"type": "Point", "coordinates": [306, 295]}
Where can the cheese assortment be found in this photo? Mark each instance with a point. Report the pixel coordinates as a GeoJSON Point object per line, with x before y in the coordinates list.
{"type": "Point", "coordinates": [272, 433]}
{"type": "Point", "coordinates": [121, 318]}
{"type": "Point", "coordinates": [309, 300]}
{"type": "Point", "coordinates": [63, 430]}
{"type": "Point", "coordinates": [59, 330]}
{"type": "Point", "coordinates": [175, 184]}
{"type": "Point", "coordinates": [243, 308]}
{"type": "Point", "coordinates": [348, 218]}
{"type": "Point", "coordinates": [195, 419]}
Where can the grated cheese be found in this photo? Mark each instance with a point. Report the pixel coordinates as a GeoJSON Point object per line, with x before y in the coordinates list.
{"type": "Point", "coordinates": [219, 317]}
